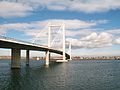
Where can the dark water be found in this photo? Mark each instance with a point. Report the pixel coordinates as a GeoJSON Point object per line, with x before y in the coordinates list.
{"type": "Point", "coordinates": [74, 75]}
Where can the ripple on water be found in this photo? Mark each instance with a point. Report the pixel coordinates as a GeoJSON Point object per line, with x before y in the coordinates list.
{"type": "Point", "coordinates": [74, 75]}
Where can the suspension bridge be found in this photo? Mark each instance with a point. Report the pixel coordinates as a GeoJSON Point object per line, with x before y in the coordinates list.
{"type": "Point", "coordinates": [55, 44]}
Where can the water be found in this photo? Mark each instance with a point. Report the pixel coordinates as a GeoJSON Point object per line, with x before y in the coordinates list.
{"type": "Point", "coordinates": [74, 75]}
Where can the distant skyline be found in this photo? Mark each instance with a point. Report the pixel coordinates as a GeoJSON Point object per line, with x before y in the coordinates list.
{"type": "Point", "coordinates": [92, 26]}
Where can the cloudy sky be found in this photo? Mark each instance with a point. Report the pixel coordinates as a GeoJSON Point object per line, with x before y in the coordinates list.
{"type": "Point", "coordinates": [92, 26]}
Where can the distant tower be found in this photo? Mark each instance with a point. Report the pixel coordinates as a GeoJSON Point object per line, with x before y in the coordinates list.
{"type": "Point", "coordinates": [70, 52]}
{"type": "Point", "coordinates": [59, 29]}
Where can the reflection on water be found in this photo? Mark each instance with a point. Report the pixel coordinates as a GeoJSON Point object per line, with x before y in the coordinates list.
{"type": "Point", "coordinates": [74, 75]}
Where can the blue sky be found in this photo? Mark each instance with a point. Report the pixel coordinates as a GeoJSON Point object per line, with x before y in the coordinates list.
{"type": "Point", "coordinates": [92, 26]}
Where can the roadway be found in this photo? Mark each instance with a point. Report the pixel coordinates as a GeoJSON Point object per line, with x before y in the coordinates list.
{"type": "Point", "coordinates": [10, 43]}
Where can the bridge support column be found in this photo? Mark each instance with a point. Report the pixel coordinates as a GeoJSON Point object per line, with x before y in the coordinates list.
{"type": "Point", "coordinates": [15, 60]}
{"type": "Point", "coordinates": [47, 57]}
{"type": "Point", "coordinates": [27, 57]}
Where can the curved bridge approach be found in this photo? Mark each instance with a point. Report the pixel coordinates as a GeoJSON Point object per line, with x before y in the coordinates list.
{"type": "Point", "coordinates": [17, 45]}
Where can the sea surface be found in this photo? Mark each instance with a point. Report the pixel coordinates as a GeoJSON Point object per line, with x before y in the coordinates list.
{"type": "Point", "coordinates": [74, 75]}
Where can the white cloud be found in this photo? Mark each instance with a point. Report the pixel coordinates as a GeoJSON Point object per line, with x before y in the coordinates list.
{"type": "Point", "coordinates": [90, 37]}
{"type": "Point", "coordinates": [69, 24]}
{"type": "Point", "coordinates": [90, 6]}
{"type": "Point", "coordinates": [21, 8]}
{"type": "Point", "coordinates": [117, 41]}
{"type": "Point", "coordinates": [87, 6]}
{"type": "Point", "coordinates": [83, 32]}
{"type": "Point", "coordinates": [56, 7]}
{"type": "Point", "coordinates": [114, 31]}
{"type": "Point", "coordinates": [13, 9]}
{"type": "Point", "coordinates": [93, 40]}
{"type": "Point", "coordinates": [73, 24]}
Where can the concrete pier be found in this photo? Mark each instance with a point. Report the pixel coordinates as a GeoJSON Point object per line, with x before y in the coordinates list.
{"type": "Point", "coordinates": [15, 60]}
{"type": "Point", "coordinates": [47, 57]}
{"type": "Point", "coordinates": [27, 57]}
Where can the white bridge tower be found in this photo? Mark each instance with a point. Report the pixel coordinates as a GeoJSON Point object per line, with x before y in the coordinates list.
{"type": "Point", "coordinates": [54, 32]}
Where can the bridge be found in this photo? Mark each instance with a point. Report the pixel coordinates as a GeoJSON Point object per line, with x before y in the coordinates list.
{"type": "Point", "coordinates": [17, 45]}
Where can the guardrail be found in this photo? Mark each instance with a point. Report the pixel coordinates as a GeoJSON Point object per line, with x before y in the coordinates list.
{"type": "Point", "coordinates": [25, 42]}
{"type": "Point", "coordinates": [13, 39]}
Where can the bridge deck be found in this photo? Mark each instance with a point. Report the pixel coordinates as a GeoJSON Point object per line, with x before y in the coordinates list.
{"type": "Point", "coordinates": [6, 42]}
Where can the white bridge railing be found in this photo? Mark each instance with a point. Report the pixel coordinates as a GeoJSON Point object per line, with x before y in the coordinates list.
{"type": "Point", "coordinates": [19, 41]}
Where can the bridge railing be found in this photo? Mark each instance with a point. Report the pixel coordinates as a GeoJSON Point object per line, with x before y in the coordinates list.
{"type": "Point", "coordinates": [16, 40]}
{"type": "Point", "coordinates": [23, 42]}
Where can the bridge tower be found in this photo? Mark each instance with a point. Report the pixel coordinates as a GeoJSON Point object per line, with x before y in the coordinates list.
{"type": "Point", "coordinates": [56, 29]}
{"type": "Point", "coordinates": [69, 51]}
